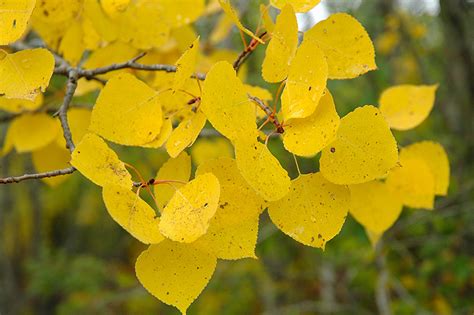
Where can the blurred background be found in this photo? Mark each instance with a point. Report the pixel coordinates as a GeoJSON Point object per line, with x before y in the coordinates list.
{"type": "Point", "coordinates": [61, 253]}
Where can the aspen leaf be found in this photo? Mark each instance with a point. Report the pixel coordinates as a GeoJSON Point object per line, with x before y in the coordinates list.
{"type": "Point", "coordinates": [185, 134]}
{"type": "Point", "coordinates": [205, 149]}
{"type": "Point", "coordinates": [230, 11]}
{"type": "Point", "coordinates": [31, 132]}
{"type": "Point", "coordinates": [230, 242]}
{"type": "Point", "coordinates": [72, 47]}
{"type": "Point", "coordinates": [107, 28]}
{"type": "Point", "coordinates": [176, 169]}
{"type": "Point", "coordinates": [261, 169]}
{"type": "Point", "coordinates": [437, 160]}
{"type": "Point", "coordinates": [346, 44]}
{"type": "Point", "coordinates": [181, 12]}
{"type": "Point", "coordinates": [114, 7]}
{"type": "Point", "coordinates": [127, 111]}
{"type": "Point", "coordinates": [282, 47]}
{"type": "Point", "coordinates": [413, 183]}
{"type": "Point", "coordinates": [132, 213]}
{"type": "Point", "coordinates": [185, 66]}
{"type": "Point", "coordinates": [165, 132]}
{"type": "Point", "coordinates": [308, 136]}
{"type": "Point", "coordinates": [298, 5]}
{"type": "Point", "coordinates": [313, 212]}
{"type": "Point", "coordinates": [406, 106]}
{"type": "Point", "coordinates": [51, 157]}
{"type": "Point", "coordinates": [79, 120]}
{"type": "Point", "coordinates": [100, 164]}
{"type": "Point", "coordinates": [14, 16]}
{"type": "Point", "coordinates": [144, 25]}
{"type": "Point", "coordinates": [374, 206]}
{"type": "Point", "coordinates": [14, 105]}
{"type": "Point", "coordinates": [187, 215]}
{"type": "Point", "coordinates": [238, 200]}
{"type": "Point", "coordinates": [226, 104]}
{"type": "Point", "coordinates": [267, 21]}
{"type": "Point", "coordinates": [222, 29]}
{"type": "Point", "coordinates": [26, 73]}
{"type": "Point", "coordinates": [306, 81]}
{"type": "Point", "coordinates": [175, 273]}
{"type": "Point", "coordinates": [364, 149]}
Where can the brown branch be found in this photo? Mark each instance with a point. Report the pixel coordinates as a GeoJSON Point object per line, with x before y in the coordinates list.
{"type": "Point", "coordinates": [271, 115]}
{"type": "Point", "coordinates": [131, 64]}
{"type": "Point", "coordinates": [247, 52]}
{"type": "Point", "coordinates": [17, 179]}
{"type": "Point", "coordinates": [62, 112]}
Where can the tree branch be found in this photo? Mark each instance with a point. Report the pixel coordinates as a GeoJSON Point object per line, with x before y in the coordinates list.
{"type": "Point", "coordinates": [17, 179]}
{"type": "Point", "coordinates": [247, 52]}
{"type": "Point", "coordinates": [271, 115]}
{"type": "Point", "coordinates": [62, 112]}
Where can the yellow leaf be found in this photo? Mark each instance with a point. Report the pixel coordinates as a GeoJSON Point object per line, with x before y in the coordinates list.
{"type": "Point", "coordinates": [233, 230]}
{"type": "Point", "coordinates": [230, 242]}
{"type": "Point", "coordinates": [298, 5]}
{"type": "Point", "coordinates": [313, 212]}
{"type": "Point", "coordinates": [267, 21]}
{"type": "Point", "coordinates": [144, 25]}
{"type": "Point", "coordinates": [205, 149]}
{"type": "Point", "coordinates": [226, 104]}
{"type": "Point", "coordinates": [308, 136]}
{"type": "Point", "coordinates": [406, 106]}
{"type": "Point", "coordinates": [14, 105]}
{"type": "Point", "coordinates": [222, 29]}
{"type": "Point", "coordinates": [186, 65]}
{"type": "Point", "coordinates": [306, 81]}
{"type": "Point", "coordinates": [127, 111]}
{"type": "Point", "coordinates": [413, 183]}
{"type": "Point", "coordinates": [26, 73]}
{"type": "Point", "coordinates": [114, 7]}
{"type": "Point", "coordinates": [30, 132]}
{"type": "Point", "coordinates": [346, 44]}
{"type": "Point", "coordinates": [132, 213]}
{"type": "Point", "coordinates": [185, 134]}
{"type": "Point", "coordinates": [187, 215]}
{"type": "Point", "coordinates": [374, 206]}
{"type": "Point", "coordinates": [49, 158]}
{"type": "Point", "coordinates": [229, 10]}
{"type": "Point", "coordinates": [261, 169]}
{"type": "Point", "coordinates": [181, 12]}
{"type": "Point", "coordinates": [184, 36]}
{"type": "Point", "coordinates": [165, 132]}
{"type": "Point", "coordinates": [14, 16]}
{"type": "Point", "coordinates": [364, 149]}
{"type": "Point", "coordinates": [175, 273]}
{"type": "Point", "coordinates": [106, 28]}
{"type": "Point", "coordinates": [79, 120]}
{"type": "Point", "coordinates": [72, 46]}
{"type": "Point", "coordinates": [238, 200]}
{"type": "Point", "coordinates": [437, 160]}
{"type": "Point", "coordinates": [175, 169]}
{"type": "Point", "coordinates": [100, 164]}
{"type": "Point", "coordinates": [282, 46]}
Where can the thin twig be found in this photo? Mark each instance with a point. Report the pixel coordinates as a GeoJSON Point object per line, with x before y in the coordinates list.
{"type": "Point", "coordinates": [271, 115]}
{"type": "Point", "coordinates": [247, 52]}
{"type": "Point", "coordinates": [17, 179]}
{"type": "Point", "coordinates": [62, 112]}
{"type": "Point", "coordinates": [131, 64]}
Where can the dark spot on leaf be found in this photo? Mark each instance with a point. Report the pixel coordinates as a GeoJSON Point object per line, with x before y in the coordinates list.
{"type": "Point", "coordinates": [333, 150]}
